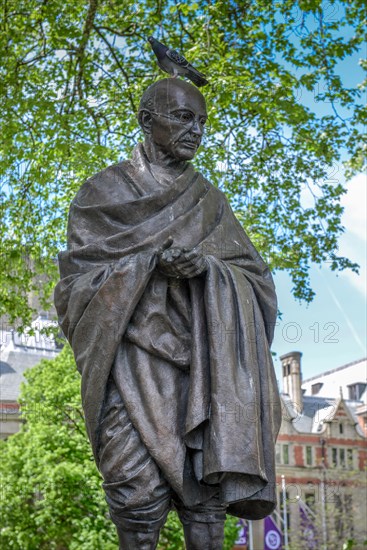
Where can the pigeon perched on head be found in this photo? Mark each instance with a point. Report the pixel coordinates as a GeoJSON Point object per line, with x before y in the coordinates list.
{"type": "Point", "coordinates": [175, 64]}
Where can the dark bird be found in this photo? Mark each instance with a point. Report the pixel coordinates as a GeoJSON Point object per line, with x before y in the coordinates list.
{"type": "Point", "coordinates": [175, 64]}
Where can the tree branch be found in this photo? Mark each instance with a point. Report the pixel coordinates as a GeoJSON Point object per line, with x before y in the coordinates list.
{"type": "Point", "coordinates": [118, 63]}
{"type": "Point", "coordinates": [183, 28]}
{"type": "Point", "coordinates": [80, 55]}
{"type": "Point", "coordinates": [125, 32]}
{"type": "Point", "coordinates": [327, 66]}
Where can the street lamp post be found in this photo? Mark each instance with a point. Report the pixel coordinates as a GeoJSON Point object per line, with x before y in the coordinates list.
{"type": "Point", "coordinates": [323, 493]}
{"type": "Point", "coordinates": [285, 518]}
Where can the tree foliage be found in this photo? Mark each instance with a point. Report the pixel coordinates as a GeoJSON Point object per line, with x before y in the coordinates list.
{"type": "Point", "coordinates": [51, 494]}
{"type": "Point", "coordinates": [51, 490]}
{"type": "Point", "coordinates": [280, 118]}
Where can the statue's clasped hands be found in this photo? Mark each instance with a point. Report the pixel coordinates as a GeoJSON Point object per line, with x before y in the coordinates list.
{"type": "Point", "coordinates": [180, 263]}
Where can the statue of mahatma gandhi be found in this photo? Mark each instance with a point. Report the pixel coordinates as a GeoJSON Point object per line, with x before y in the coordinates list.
{"type": "Point", "coordinates": [170, 312]}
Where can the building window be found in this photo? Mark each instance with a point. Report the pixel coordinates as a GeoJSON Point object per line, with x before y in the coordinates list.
{"type": "Point", "coordinates": [315, 388]}
{"type": "Point", "coordinates": [341, 428]}
{"type": "Point", "coordinates": [342, 458]}
{"type": "Point", "coordinates": [286, 369]}
{"type": "Point", "coordinates": [356, 391]}
{"type": "Point", "coordinates": [334, 457]}
{"type": "Point", "coordinates": [350, 461]}
{"type": "Point", "coordinates": [282, 454]}
{"type": "Point", "coordinates": [309, 456]}
{"type": "Point", "coordinates": [277, 453]}
{"type": "Point", "coordinates": [285, 454]}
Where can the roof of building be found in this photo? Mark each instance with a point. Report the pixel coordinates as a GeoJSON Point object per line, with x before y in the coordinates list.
{"type": "Point", "coordinates": [317, 412]}
{"type": "Point", "coordinates": [337, 369]}
{"type": "Point", "coordinates": [331, 383]}
{"type": "Point", "coordinates": [12, 369]}
{"type": "Point", "coordinates": [21, 352]}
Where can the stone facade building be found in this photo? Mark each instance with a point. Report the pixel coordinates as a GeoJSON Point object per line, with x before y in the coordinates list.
{"type": "Point", "coordinates": [18, 354]}
{"type": "Point", "coordinates": [322, 454]}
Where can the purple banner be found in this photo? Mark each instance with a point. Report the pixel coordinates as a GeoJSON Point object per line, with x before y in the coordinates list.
{"type": "Point", "coordinates": [308, 529]}
{"type": "Point", "coordinates": [242, 534]}
{"type": "Point", "coordinates": [272, 535]}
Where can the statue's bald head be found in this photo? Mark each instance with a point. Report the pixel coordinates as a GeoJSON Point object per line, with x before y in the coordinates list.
{"type": "Point", "coordinates": [158, 94]}
{"type": "Point", "coordinates": [172, 115]}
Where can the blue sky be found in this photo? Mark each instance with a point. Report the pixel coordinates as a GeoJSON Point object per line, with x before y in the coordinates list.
{"type": "Point", "coordinates": [331, 331]}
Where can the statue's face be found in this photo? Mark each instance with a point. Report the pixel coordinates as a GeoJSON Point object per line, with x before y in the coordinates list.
{"type": "Point", "coordinates": [178, 121]}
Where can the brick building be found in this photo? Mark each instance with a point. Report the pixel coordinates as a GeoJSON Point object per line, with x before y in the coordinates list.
{"type": "Point", "coordinates": [321, 452]}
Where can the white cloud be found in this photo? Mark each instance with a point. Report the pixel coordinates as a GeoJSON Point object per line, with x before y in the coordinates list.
{"type": "Point", "coordinates": [354, 202]}
{"type": "Point", "coordinates": [353, 244]}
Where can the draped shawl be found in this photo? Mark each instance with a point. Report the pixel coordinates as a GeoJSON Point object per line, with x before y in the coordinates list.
{"type": "Point", "coordinates": [191, 358]}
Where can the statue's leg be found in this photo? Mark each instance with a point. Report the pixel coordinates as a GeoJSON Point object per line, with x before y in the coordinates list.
{"type": "Point", "coordinates": [138, 496]}
{"type": "Point", "coordinates": [203, 524]}
{"type": "Point", "coordinates": [135, 540]}
{"type": "Point", "coordinates": [204, 536]}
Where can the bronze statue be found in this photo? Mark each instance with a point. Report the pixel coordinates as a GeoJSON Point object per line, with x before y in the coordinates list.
{"type": "Point", "coordinates": [170, 312]}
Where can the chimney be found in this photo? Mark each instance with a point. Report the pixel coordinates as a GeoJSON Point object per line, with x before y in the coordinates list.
{"type": "Point", "coordinates": [292, 378]}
